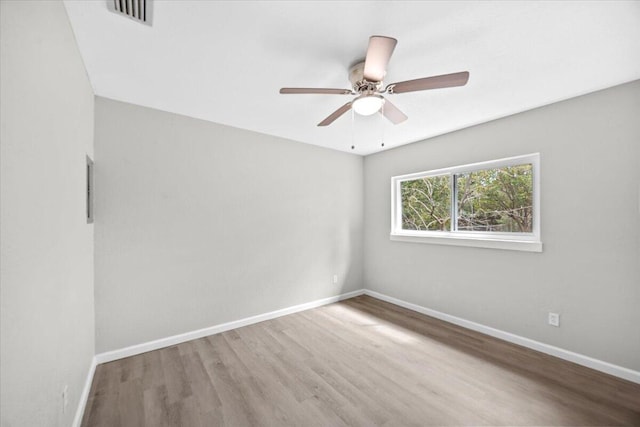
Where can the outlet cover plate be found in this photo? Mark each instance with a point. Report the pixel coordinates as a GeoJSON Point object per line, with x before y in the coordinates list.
{"type": "Point", "coordinates": [554, 319]}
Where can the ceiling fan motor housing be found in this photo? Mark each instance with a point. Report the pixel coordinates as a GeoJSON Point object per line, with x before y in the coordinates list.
{"type": "Point", "coordinates": [359, 83]}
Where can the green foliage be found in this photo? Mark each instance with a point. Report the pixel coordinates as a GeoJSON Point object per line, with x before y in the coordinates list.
{"type": "Point", "coordinates": [426, 203]}
{"type": "Point", "coordinates": [494, 200]}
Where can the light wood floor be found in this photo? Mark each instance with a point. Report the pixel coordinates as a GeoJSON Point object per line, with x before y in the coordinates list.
{"type": "Point", "coordinates": [360, 362]}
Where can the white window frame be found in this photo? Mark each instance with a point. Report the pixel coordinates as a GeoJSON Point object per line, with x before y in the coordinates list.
{"type": "Point", "coordinates": [511, 241]}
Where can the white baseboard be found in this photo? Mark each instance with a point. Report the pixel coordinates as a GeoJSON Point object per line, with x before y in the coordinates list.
{"type": "Point", "coordinates": [192, 335]}
{"type": "Point", "coordinates": [589, 362]}
{"type": "Point", "coordinates": [580, 359]}
{"type": "Point", "coordinates": [82, 404]}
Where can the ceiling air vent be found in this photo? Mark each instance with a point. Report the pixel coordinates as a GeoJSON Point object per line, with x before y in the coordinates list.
{"type": "Point", "coordinates": [139, 10]}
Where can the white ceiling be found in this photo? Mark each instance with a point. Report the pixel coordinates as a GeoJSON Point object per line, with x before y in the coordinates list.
{"type": "Point", "coordinates": [225, 61]}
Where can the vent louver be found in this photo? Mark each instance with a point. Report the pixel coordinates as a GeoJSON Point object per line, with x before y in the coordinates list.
{"type": "Point", "coordinates": [139, 10]}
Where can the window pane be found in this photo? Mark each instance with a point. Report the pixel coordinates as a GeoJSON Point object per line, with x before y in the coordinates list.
{"type": "Point", "coordinates": [426, 203]}
{"type": "Point", "coordinates": [496, 200]}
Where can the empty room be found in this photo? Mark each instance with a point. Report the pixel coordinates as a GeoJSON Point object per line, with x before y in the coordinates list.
{"type": "Point", "coordinates": [319, 213]}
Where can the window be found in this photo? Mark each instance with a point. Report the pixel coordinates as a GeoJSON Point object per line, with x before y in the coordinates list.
{"type": "Point", "coordinates": [492, 204]}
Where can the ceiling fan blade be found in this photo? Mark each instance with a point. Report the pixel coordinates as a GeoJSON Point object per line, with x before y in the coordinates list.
{"type": "Point", "coordinates": [435, 82]}
{"type": "Point", "coordinates": [306, 90]}
{"type": "Point", "coordinates": [378, 55]}
{"type": "Point", "coordinates": [392, 113]}
{"type": "Point", "coordinates": [340, 111]}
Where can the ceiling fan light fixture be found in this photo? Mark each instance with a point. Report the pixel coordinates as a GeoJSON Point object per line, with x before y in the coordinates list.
{"type": "Point", "coordinates": [367, 105]}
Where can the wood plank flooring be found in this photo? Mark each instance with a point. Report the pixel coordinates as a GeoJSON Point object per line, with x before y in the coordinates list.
{"type": "Point", "coordinates": [359, 362]}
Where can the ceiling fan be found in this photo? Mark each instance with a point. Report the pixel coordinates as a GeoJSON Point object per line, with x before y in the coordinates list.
{"type": "Point", "coordinates": [366, 79]}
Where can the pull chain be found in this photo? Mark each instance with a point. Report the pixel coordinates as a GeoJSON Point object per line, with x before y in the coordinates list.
{"type": "Point", "coordinates": [382, 126]}
{"type": "Point", "coordinates": [353, 131]}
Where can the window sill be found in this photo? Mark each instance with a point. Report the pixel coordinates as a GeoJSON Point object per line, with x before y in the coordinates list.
{"type": "Point", "coordinates": [476, 242]}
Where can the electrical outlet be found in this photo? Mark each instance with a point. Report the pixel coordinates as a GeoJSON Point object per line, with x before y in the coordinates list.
{"type": "Point", "coordinates": [335, 278]}
{"type": "Point", "coordinates": [65, 398]}
{"type": "Point", "coordinates": [554, 319]}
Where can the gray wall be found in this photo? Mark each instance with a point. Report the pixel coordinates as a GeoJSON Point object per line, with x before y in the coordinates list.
{"type": "Point", "coordinates": [199, 224]}
{"type": "Point", "coordinates": [589, 269]}
{"type": "Point", "coordinates": [46, 250]}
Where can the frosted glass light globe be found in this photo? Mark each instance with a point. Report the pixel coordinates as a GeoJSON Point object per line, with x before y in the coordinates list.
{"type": "Point", "coordinates": [367, 105]}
